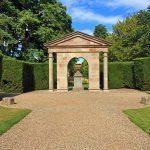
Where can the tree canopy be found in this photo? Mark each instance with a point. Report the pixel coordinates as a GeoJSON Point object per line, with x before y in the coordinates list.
{"type": "Point", "coordinates": [85, 69]}
{"type": "Point", "coordinates": [71, 66]}
{"type": "Point", "coordinates": [27, 24]}
{"type": "Point", "coordinates": [131, 37]}
{"type": "Point", "coordinates": [100, 31]}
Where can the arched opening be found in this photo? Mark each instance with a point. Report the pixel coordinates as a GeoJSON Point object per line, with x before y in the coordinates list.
{"type": "Point", "coordinates": [78, 74]}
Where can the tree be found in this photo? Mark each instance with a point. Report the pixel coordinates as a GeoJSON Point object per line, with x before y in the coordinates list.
{"type": "Point", "coordinates": [100, 31]}
{"type": "Point", "coordinates": [71, 67]}
{"type": "Point", "coordinates": [31, 23]}
{"type": "Point", "coordinates": [130, 38]}
{"type": "Point", "coordinates": [85, 69]}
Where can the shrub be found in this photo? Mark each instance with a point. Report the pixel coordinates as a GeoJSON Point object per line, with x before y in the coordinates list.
{"type": "Point", "coordinates": [142, 73]}
{"type": "Point", "coordinates": [85, 81]}
{"type": "Point", "coordinates": [12, 76]}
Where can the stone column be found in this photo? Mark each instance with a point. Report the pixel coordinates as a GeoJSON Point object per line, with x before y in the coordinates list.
{"type": "Point", "coordinates": [62, 78]}
{"type": "Point", "coordinates": [105, 63]}
{"type": "Point", "coordinates": [50, 71]}
{"type": "Point", "coordinates": [94, 77]}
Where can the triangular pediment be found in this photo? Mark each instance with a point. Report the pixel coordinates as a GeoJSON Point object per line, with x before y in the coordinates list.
{"type": "Point", "coordinates": [77, 39]}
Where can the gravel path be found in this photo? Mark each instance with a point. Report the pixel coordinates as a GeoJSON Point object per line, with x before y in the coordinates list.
{"type": "Point", "coordinates": [77, 121]}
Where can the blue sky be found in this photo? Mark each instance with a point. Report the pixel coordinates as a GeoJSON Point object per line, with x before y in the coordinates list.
{"type": "Point", "coordinates": [86, 14]}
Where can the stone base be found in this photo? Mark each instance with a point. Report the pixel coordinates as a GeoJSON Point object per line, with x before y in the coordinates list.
{"type": "Point", "coordinates": [105, 90]}
{"type": "Point", "coordinates": [78, 89]}
{"type": "Point", "coordinates": [95, 90]}
{"type": "Point", "coordinates": [51, 90]}
{"type": "Point", "coordinates": [8, 101]}
{"type": "Point", "coordinates": [62, 90]}
{"type": "Point", "coordinates": [145, 100]}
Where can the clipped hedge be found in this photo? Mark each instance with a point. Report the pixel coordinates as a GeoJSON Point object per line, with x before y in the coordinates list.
{"type": "Point", "coordinates": [19, 76]}
{"type": "Point", "coordinates": [128, 74]}
{"type": "Point", "coordinates": [142, 73]}
{"type": "Point", "coordinates": [120, 75]}
{"type": "Point", "coordinates": [12, 75]}
{"type": "Point", "coordinates": [115, 70]}
{"type": "Point", "coordinates": [35, 76]}
{"type": "Point", "coordinates": [1, 57]}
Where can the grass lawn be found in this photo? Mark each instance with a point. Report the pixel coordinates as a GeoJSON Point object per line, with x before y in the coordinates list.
{"type": "Point", "coordinates": [141, 117]}
{"type": "Point", "coordinates": [11, 116]}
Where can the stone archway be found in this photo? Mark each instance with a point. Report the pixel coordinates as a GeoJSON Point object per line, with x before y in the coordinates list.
{"type": "Point", "coordinates": [79, 74]}
{"type": "Point", "coordinates": [78, 44]}
{"type": "Point", "coordinates": [62, 63]}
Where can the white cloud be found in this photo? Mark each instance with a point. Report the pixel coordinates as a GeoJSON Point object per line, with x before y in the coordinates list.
{"type": "Point", "coordinates": [134, 4]}
{"type": "Point", "coordinates": [87, 31]}
{"type": "Point", "coordinates": [87, 16]}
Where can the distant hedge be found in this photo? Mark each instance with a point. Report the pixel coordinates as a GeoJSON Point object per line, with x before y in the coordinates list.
{"type": "Point", "coordinates": [142, 73]}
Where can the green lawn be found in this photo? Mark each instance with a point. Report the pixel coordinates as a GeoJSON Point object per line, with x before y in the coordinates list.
{"type": "Point", "coordinates": [11, 116]}
{"type": "Point", "coordinates": [141, 117]}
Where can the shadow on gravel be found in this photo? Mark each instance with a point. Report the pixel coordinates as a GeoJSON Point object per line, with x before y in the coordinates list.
{"type": "Point", "coordinates": [7, 95]}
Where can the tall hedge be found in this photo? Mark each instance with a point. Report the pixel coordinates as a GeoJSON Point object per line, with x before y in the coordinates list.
{"type": "Point", "coordinates": [142, 73]}
{"type": "Point", "coordinates": [115, 75]}
{"type": "Point", "coordinates": [128, 74]}
{"type": "Point", "coordinates": [20, 76]}
{"type": "Point", "coordinates": [120, 75]}
{"type": "Point", "coordinates": [37, 76]}
{"type": "Point", "coordinates": [1, 57]}
{"type": "Point", "coordinates": [12, 75]}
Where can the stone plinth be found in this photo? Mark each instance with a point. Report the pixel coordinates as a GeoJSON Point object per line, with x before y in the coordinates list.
{"type": "Point", "coordinates": [8, 101]}
{"type": "Point", "coordinates": [78, 81]}
{"type": "Point", "coordinates": [145, 100]}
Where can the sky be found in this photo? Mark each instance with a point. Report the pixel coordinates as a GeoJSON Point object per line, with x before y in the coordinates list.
{"type": "Point", "coordinates": [86, 14]}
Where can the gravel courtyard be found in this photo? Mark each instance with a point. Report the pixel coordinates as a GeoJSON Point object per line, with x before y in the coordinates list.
{"type": "Point", "coordinates": [76, 121]}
